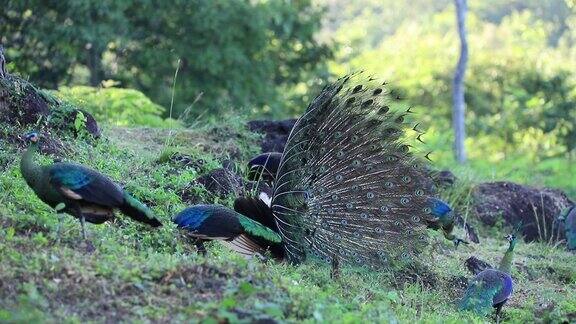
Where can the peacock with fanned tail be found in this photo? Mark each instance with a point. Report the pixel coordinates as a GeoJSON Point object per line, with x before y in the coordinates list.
{"type": "Point", "coordinates": [81, 192]}
{"type": "Point", "coordinates": [491, 288]}
{"type": "Point", "coordinates": [264, 167]}
{"type": "Point", "coordinates": [348, 186]}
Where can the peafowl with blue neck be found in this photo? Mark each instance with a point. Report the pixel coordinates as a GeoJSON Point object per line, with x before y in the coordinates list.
{"type": "Point", "coordinates": [491, 288]}
{"type": "Point", "coordinates": [347, 186]}
{"type": "Point", "coordinates": [78, 191]}
{"type": "Point", "coordinates": [238, 229]}
{"type": "Point", "coordinates": [568, 217]}
{"type": "Point", "coordinates": [444, 220]}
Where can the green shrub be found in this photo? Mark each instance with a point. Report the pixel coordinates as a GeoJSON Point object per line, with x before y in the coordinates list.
{"type": "Point", "coordinates": [117, 106]}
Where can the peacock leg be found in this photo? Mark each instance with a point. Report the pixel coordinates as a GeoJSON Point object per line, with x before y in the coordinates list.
{"type": "Point", "coordinates": [59, 227]}
{"type": "Point", "coordinates": [457, 242]}
{"type": "Point", "coordinates": [82, 222]}
{"type": "Point", "coordinates": [451, 237]}
{"type": "Point", "coordinates": [498, 310]}
{"type": "Point", "coordinates": [200, 246]}
{"type": "Point", "coordinates": [60, 217]}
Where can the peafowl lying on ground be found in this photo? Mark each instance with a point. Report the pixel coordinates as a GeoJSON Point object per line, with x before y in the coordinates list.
{"type": "Point", "coordinates": [79, 191]}
{"type": "Point", "coordinates": [444, 220]}
{"type": "Point", "coordinates": [348, 186]}
{"type": "Point", "coordinates": [568, 217]}
{"type": "Point", "coordinates": [491, 288]}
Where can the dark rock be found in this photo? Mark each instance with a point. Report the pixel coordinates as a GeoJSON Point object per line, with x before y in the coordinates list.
{"type": "Point", "coordinates": [275, 132]}
{"type": "Point", "coordinates": [536, 208]}
{"type": "Point", "coordinates": [23, 105]}
{"type": "Point", "coordinates": [475, 265]}
{"type": "Point", "coordinates": [471, 234]}
{"type": "Point", "coordinates": [444, 178]}
{"type": "Point", "coordinates": [222, 182]}
{"type": "Point", "coordinates": [91, 124]}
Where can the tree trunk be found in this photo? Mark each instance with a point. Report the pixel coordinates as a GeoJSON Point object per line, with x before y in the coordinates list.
{"type": "Point", "coordinates": [459, 106]}
{"type": "Point", "coordinates": [95, 66]}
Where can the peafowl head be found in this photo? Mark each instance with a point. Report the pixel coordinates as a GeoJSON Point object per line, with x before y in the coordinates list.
{"type": "Point", "coordinates": [512, 240]}
{"type": "Point", "coordinates": [32, 137]}
{"type": "Point", "coordinates": [192, 218]}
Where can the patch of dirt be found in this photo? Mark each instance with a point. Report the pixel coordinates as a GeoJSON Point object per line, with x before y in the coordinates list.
{"type": "Point", "coordinates": [222, 182]}
{"type": "Point", "coordinates": [275, 132]}
{"type": "Point", "coordinates": [475, 265]}
{"type": "Point", "coordinates": [116, 300]}
{"type": "Point", "coordinates": [536, 208]}
{"type": "Point", "coordinates": [23, 106]}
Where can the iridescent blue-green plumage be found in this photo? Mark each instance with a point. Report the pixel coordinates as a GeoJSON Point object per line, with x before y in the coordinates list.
{"type": "Point", "coordinates": [239, 232]}
{"type": "Point", "coordinates": [568, 217]}
{"type": "Point", "coordinates": [444, 220]}
{"type": "Point", "coordinates": [349, 186]}
{"type": "Point", "coordinates": [83, 192]}
{"type": "Point", "coordinates": [491, 288]}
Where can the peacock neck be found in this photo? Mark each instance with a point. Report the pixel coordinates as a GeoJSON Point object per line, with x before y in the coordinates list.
{"type": "Point", "coordinates": [28, 166]}
{"type": "Point", "coordinates": [506, 263]}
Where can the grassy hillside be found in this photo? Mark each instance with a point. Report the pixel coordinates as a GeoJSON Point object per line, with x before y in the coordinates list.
{"type": "Point", "coordinates": [139, 274]}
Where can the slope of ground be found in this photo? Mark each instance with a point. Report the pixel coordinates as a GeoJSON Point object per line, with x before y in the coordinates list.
{"type": "Point", "coordinates": [139, 274]}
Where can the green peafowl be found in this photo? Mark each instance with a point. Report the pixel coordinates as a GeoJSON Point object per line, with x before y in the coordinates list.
{"type": "Point", "coordinates": [348, 186]}
{"type": "Point", "coordinates": [491, 288]}
{"type": "Point", "coordinates": [444, 220]}
{"type": "Point", "coordinates": [240, 233]}
{"type": "Point", "coordinates": [568, 217]}
{"type": "Point", "coordinates": [81, 192]}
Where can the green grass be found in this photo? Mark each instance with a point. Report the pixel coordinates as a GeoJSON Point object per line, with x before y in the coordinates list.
{"type": "Point", "coordinates": [141, 274]}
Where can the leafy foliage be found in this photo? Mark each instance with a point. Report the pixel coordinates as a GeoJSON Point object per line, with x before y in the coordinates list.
{"type": "Point", "coordinates": [245, 54]}
{"type": "Point", "coordinates": [122, 107]}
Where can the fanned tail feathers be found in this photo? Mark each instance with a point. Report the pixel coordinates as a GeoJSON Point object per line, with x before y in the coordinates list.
{"type": "Point", "coordinates": [348, 185]}
{"type": "Point", "coordinates": [138, 211]}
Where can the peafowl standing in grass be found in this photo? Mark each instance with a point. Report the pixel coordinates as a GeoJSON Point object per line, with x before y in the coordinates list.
{"type": "Point", "coordinates": [242, 234]}
{"type": "Point", "coordinates": [81, 192]}
{"type": "Point", "coordinates": [443, 215]}
{"type": "Point", "coordinates": [348, 186]}
{"type": "Point", "coordinates": [568, 217]}
{"type": "Point", "coordinates": [444, 220]}
{"type": "Point", "coordinates": [491, 288]}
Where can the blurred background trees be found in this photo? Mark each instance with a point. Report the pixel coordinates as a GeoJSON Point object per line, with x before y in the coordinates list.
{"type": "Point", "coordinates": [266, 58]}
{"type": "Point", "coordinates": [250, 55]}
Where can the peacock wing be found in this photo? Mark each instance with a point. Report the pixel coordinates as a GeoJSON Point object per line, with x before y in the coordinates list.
{"type": "Point", "coordinates": [485, 290]}
{"type": "Point", "coordinates": [80, 183]}
{"type": "Point", "coordinates": [256, 209]}
{"type": "Point", "coordinates": [348, 184]}
{"type": "Point", "coordinates": [258, 230]}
